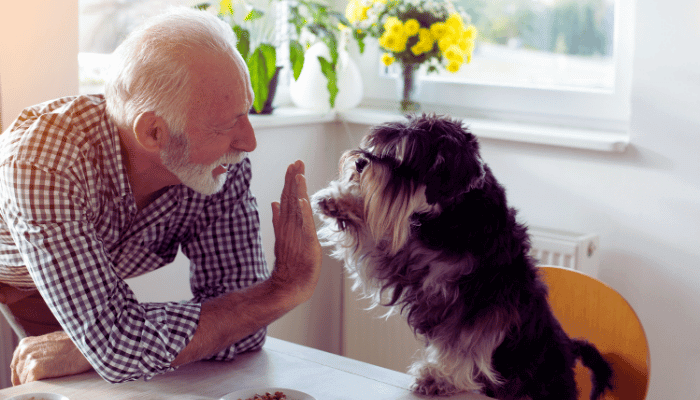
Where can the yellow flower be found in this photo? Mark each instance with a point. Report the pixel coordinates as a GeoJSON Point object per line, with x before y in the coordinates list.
{"type": "Point", "coordinates": [226, 7]}
{"type": "Point", "coordinates": [471, 32]}
{"type": "Point", "coordinates": [355, 12]}
{"type": "Point", "coordinates": [445, 41]}
{"type": "Point", "coordinates": [387, 59]}
{"type": "Point", "coordinates": [453, 66]}
{"type": "Point", "coordinates": [393, 42]}
{"type": "Point", "coordinates": [411, 27]}
{"type": "Point", "coordinates": [424, 35]}
{"type": "Point", "coordinates": [438, 29]}
{"type": "Point", "coordinates": [418, 49]}
{"type": "Point", "coordinates": [455, 21]}
{"type": "Point", "coordinates": [467, 46]}
{"type": "Point", "coordinates": [425, 42]}
{"type": "Point", "coordinates": [454, 54]}
{"type": "Point", "coordinates": [393, 25]}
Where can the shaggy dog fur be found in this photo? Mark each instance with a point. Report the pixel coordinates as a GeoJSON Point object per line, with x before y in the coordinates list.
{"type": "Point", "coordinates": [424, 228]}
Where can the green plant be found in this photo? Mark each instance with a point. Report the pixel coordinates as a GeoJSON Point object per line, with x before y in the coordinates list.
{"type": "Point", "coordinates": [320, 23]}
{"type": "Point", "coordinates": [259, 53]}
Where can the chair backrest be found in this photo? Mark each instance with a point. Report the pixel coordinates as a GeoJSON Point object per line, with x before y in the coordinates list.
{"type": "Point", "coordinates": [19, 331]}
{"type": "Point", "coordinates": [589, 309]}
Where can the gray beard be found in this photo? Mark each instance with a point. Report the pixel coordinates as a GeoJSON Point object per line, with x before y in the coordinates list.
{"type": "Point", "coordinates": [198, 177]}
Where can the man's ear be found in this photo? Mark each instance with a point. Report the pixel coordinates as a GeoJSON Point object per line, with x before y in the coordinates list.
{"type": "Point", "coordinates": [150, 130]}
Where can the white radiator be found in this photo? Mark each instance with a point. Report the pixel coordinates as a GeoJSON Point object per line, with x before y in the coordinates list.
{"type": "Point", "coordinates": [389, 342]}
{"type": "Point", "coordinates": [566, 249]}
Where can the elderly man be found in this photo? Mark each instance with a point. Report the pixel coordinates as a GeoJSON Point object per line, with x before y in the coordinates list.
{"type": "Point", "coordinates": [96, 189]}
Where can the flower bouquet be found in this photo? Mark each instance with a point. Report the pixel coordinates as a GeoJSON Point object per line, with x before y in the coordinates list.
{"type": "Point", "coordinates": [415, 32]}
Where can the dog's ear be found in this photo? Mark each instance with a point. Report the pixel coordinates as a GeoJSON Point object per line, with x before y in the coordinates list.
{"type": "Point", "coordinates": [390, 202]}
{"type": "Point", "coordinates": [456, 167]}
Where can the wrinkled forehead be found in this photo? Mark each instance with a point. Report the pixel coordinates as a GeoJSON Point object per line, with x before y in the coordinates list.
{"type": "Point", "coordinates": [220, 87]}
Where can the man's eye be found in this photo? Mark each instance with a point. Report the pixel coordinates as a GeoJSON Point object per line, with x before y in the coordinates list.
{"type": "Point", "coordinates": [360, 164]}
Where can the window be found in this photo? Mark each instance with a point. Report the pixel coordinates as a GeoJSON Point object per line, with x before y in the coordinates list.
{"type": "Point", "coordinates": [547, 61]}
{"type": "Point", "coordinates": [543, 43]}
{"type": "Point", "coordinates": [560, 62]}
{"type": "Point", "coordinates": [105, 23]}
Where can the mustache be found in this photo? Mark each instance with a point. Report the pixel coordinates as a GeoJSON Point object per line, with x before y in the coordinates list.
{"type": "Point", "coordinates": [231, 158]}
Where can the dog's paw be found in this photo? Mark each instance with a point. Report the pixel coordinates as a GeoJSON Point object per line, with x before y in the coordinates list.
{"type": "Point", "coordinates": [429, 386]}
{"type": "Point", "coordinates": [328, 207]}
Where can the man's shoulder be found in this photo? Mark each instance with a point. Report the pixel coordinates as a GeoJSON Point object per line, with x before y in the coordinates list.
{"type": "Point", "coordinates": [56, 132]}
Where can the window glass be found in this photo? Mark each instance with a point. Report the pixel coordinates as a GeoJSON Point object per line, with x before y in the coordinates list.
{"type": "Point", "coordinates": [105, 23]}
{"type": "Point", "coordinates": [542, 43]}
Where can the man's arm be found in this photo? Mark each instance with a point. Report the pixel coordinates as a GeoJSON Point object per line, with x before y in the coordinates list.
{"type": "Point", "coordinates": [296, 272]}
{"type": "Point", "coordinates": [293, 280]}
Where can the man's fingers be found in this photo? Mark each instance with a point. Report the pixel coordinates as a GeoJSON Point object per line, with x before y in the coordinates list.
{"type": "Point", "coordinates": [276, 218]}
{"type": "Point", "coordinates": [294, 188]}
{"type": "Point", "coordinates": [301, 190]}
{"type": "Point", "coordinates": [15, 378]}
{"type": "Point", "coordinates": [289, 192]}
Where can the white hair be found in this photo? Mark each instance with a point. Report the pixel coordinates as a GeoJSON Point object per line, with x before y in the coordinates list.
{"type": "Point", "coordinates": [150, 70]}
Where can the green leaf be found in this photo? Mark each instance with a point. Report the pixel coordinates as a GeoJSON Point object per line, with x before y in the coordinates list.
{"type": "Point", "coordinates": [329, 72]}
{"type": "Point", "coordinates": [270, 56]}
{"type": "Point", "coordinates": [262, 65]}
{"type": "Point", "coordinates": [202, 6]}
{"type": "Point", "coordinates": [257, 67]}
{"type": "Point", "coordinates": [243, 44]}
{"type": "Point", "coordinates": [360, 38]}
{"type": "Point", "coordinates": [296, 57]}
{"type": "Point", "coordinates": [332, 44]}
{"type": "Point", "coordinates": [254, 14]}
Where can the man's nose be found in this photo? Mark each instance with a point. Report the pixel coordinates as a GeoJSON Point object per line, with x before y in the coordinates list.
{"type": "Point", "coordinates": [245, 137]}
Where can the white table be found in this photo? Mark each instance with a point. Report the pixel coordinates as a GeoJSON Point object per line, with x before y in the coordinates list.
{"type": "Point", "coordinates": [323, 375]}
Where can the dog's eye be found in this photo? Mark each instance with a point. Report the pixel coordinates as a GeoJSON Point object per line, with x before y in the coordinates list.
{"type": "Point", "coordinates": [360, 164]}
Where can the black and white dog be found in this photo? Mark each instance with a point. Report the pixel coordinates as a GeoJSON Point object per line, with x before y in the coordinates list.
{"type": "Point", "coordinates": [424, 228]}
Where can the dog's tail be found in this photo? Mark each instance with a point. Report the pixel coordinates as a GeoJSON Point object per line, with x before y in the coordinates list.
{"type": "Point", "coordinates": [600, 368]}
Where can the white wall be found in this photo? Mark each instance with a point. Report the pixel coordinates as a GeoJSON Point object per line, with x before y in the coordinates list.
{"type": "Point", "coordinates": [644, 203]}
{"type": "Point", "coordinates": [38, 53]}
{"type": "Point", "coordinates": [317, 322]}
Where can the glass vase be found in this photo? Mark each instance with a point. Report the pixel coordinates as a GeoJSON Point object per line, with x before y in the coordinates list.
{"type": "Point", "coordinates": [408, 88]}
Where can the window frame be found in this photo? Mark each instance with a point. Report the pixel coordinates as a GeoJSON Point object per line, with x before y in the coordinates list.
{"type": "Point", "coordinates": [581, 108]}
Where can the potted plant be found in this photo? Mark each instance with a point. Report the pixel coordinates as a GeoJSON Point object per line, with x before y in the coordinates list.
{"type": "Point", "coordinates": [315, 22]}
{"type": "Point", "coordinates": [258, 51]}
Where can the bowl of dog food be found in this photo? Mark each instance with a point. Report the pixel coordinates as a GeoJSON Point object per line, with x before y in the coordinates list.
{"type": "Point", "coordinates": [271, 393]}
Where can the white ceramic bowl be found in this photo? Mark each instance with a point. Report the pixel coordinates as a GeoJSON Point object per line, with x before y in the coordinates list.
{"type": "Point", "coordinates": [245, 394]}
{"type": "Point", "coordinates": [39, 396]}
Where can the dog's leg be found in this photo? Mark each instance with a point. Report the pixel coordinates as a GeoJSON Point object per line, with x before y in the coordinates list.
{"type": "Point", "coordinates": [443, 372]}
{"type": "Point", "coordinates": [429, 381]}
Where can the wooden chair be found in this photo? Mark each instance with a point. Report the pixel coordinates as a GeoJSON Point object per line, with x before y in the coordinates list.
{"type": "Point", "coordinates": [589, 309]}
{"type": "Point", "coordinates": [16, 327]}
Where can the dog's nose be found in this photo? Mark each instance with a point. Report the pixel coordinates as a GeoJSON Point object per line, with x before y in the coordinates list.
{"type": "Point", "coordinates": [360, 164]}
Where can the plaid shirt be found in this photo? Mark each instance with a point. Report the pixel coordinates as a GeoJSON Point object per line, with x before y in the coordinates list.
{"type": "Point", "coordinates": [69, 227]}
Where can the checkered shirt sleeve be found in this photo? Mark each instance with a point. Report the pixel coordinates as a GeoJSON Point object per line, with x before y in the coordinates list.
{"type": "Point", "coordinates": [226, 252]}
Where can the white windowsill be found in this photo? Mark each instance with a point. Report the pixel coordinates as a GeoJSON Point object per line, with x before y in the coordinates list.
{"type": "Point", "coordinates": [597, 140]}
{"type": "Point", "coordinates": [291, 116]}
